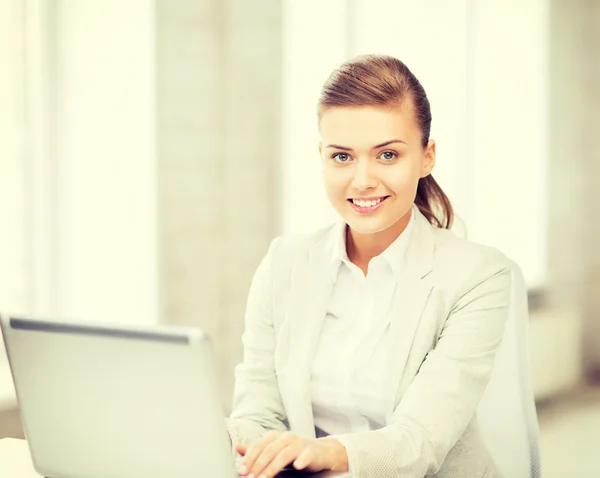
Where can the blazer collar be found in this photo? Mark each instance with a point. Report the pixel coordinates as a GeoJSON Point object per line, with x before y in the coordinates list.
{"type": "Point", "coordinates": [420, 250]}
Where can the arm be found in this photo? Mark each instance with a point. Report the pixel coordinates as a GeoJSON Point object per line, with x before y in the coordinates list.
{"type": "Point", "coordinates": [257, 405]}
{"type": "Point", "coordinates": [442, 399]}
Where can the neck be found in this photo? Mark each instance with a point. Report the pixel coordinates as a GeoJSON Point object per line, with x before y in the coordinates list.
{"type": "Point", "coordinates": [361, 248]}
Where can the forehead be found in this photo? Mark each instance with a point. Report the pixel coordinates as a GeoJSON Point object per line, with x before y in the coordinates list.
{"type": "Point", "coordinates": [365, 126]}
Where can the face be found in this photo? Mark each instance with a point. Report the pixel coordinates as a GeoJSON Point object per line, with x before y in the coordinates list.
{"type": "Point", "coordinates": [372, 162]}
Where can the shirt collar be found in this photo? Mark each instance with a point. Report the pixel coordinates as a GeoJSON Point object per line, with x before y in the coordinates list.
{"type": "Point", "coordinates": [394, 255]}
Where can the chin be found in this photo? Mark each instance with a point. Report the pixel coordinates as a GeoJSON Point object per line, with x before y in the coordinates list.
{"type": "Point", "coordinates": [367, 227]}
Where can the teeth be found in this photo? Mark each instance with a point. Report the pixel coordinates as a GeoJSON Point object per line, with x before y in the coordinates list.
{"type": "Point", "coordinates": [363, 203]}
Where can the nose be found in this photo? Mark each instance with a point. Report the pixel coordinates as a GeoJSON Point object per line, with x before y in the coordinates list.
{"type": "Point", "coordinates": [364, 177]}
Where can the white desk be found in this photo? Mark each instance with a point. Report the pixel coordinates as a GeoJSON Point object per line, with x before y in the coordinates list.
{"type": "Point", "coordinates": [15, 461]}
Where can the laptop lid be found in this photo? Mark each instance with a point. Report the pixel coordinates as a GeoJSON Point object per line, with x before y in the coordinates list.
{"type": "Point", "coordinates": [102, 400]}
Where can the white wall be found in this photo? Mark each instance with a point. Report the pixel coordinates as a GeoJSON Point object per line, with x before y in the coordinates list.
{"type": "Point", "coordinates": [93, 179]}
{"type": "Point", "coordinates": [508, 130]}
{"type": "Point", "coordinates": [219, 149]}
{"type": "Point", "coordinates": [105, 160]}
{"type": "Point", "coordinates": [13, 240]}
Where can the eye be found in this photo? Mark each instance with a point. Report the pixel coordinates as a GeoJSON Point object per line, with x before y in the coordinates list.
{"type": "Point", "coordinates": [388, 155]}
{"type": "Point", "coordinates": [341, 157]}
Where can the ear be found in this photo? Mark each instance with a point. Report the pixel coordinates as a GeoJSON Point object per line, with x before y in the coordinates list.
{"type": "Point", "coordinates": [429, 159]}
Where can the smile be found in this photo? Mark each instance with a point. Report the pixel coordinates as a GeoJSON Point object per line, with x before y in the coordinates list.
{"type": "Point", "coordinates": [367, 206]}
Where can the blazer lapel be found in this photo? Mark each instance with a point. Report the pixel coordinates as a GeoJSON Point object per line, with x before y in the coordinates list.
{"type": "Point", "coordinates": [312, 286]}
{"type": "Point", "coordinates": [412, 292]}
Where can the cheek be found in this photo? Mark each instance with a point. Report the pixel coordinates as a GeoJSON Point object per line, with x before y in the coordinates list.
{"type": "Point", "coordinates": [403, 178]}
{"type": "Point", "coordinates": [336, 182]}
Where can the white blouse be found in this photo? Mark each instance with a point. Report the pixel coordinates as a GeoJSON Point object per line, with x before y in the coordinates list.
{"type": "Point", "coordinates": [353, 353]}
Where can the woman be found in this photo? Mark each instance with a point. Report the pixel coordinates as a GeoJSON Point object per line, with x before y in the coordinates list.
{"type": "Point", "coordinates": [369, 344]}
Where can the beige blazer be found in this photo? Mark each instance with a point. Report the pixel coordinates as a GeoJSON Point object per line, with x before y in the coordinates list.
{"type": "Point", "coordinates": [449, 314]}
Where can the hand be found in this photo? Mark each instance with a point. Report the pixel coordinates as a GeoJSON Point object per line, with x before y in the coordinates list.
{"type": "Point", "coordinates": [269, 455]}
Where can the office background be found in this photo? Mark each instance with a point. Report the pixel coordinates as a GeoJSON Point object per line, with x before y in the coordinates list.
{"type": "Point", "coordinates": [150, 150]}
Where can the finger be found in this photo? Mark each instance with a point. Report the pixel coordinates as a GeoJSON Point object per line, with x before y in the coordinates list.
{"type": "Point", "coordinates": [269, 453]}
{"type": "Point", "coordinates": [241, 449]}
{"type": "Point", "coordinates": [255, 449]}
{"type": "Point", "coordinates": [284, 458]}
{"type": "Point", "coordinates": [304, 459]}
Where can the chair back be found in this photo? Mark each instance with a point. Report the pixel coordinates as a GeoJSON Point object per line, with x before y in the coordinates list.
{"type": "Point", "coordinates": [506, 413]}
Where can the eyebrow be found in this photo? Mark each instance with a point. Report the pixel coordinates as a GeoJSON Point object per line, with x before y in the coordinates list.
{"type": "Point", "coordinates": [345, 148]}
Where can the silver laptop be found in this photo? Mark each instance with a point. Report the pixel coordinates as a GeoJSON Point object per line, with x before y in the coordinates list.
{"type": "Point", "coordinates": [117, 401]}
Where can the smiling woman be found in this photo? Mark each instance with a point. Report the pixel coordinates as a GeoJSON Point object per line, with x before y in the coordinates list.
{"type": "Point", "coordinates": [368, 344]}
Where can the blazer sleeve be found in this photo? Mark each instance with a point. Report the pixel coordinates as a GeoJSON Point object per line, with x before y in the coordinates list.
{"type": "Point", "coordinates": [442, 399]}
{"type": "Point", "coordinates": [257, 404]}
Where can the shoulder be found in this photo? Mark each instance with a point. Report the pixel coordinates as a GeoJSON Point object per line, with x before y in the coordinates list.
{"type": "Point", "coordinates": [453, 250]}
{"type": "Point", "coordinates": [293, 252]}
{"type": "Point", "coordinates": [294, 246]}
{"type": "Point", "coordinates": [463, 264]}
